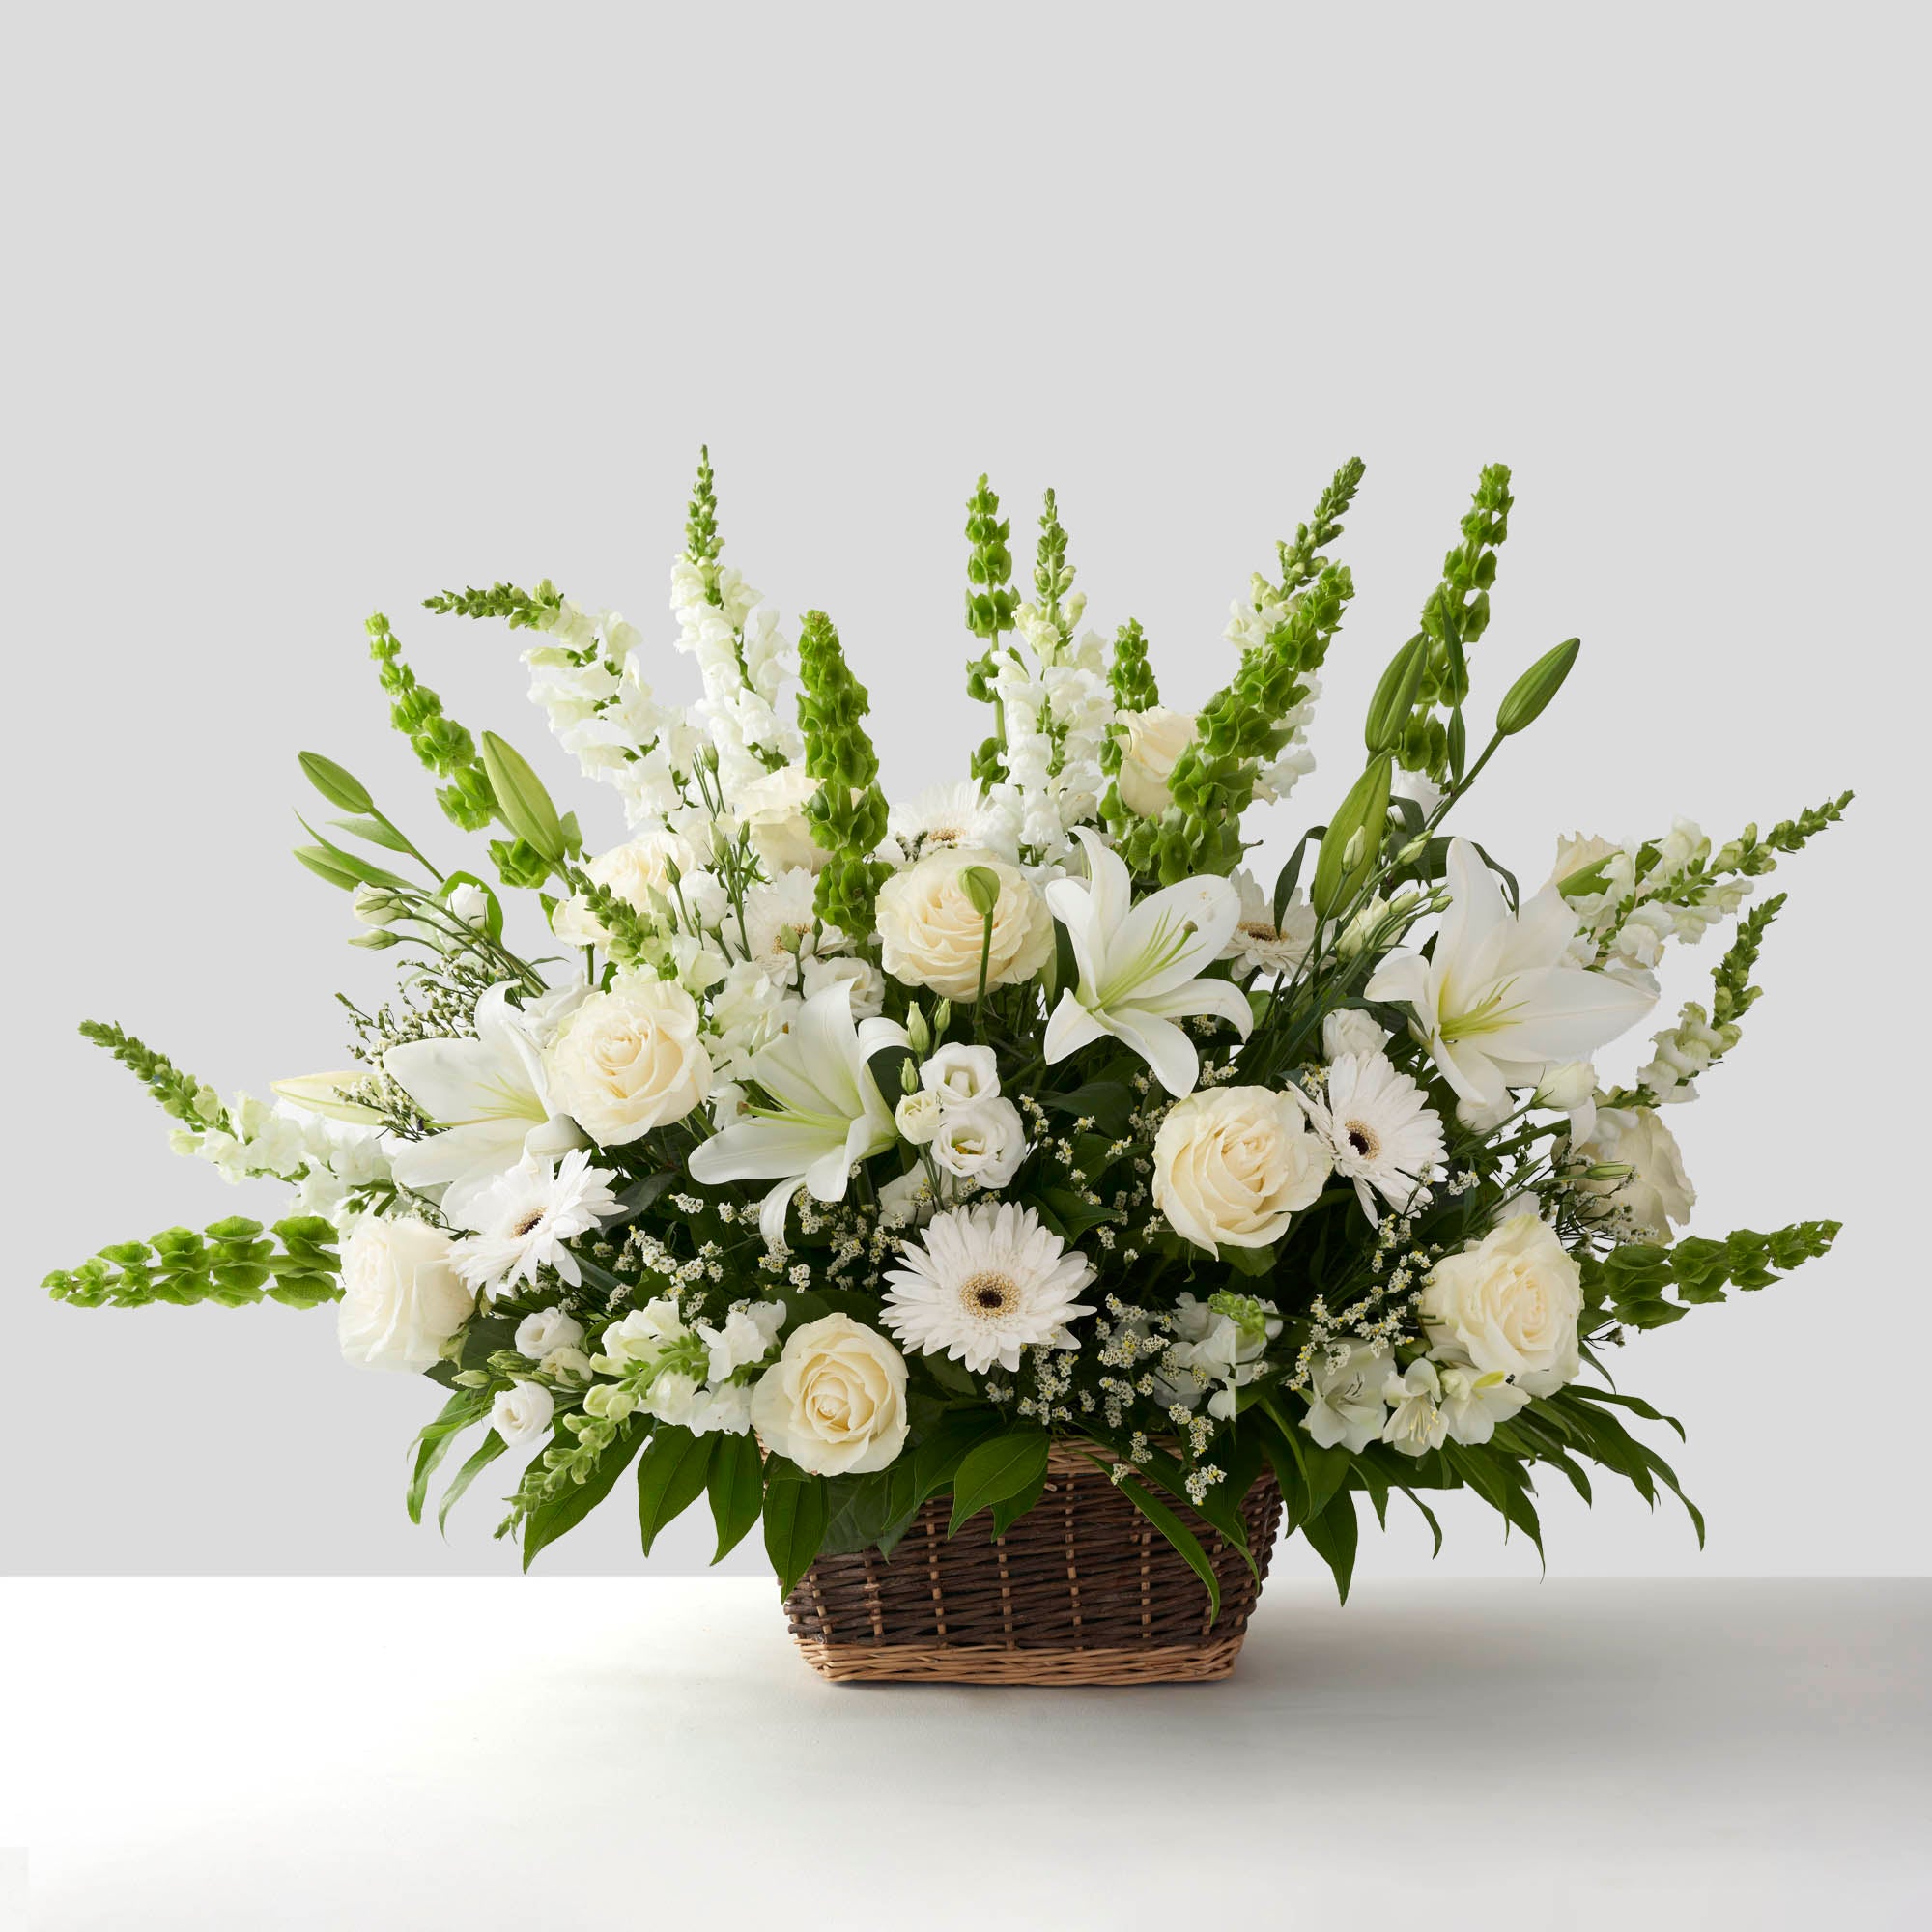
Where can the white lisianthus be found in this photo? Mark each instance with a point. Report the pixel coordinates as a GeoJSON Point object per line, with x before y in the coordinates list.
{"type": "Point", "coordinates": [961, 1075]}
{"type": "Point", "coordinates": [522, 1413]}
{"type": "Point", "coordinates": [984, 1142]}
{"type": "Point", "coordinates": [629, 1060]}
{"type": "Point", "coordinates": [918, 1116]}
{"type": "Point", "coordinates": [1566, 1086]}
{"type": "Point", "coordinates": [1155, 739]}
{"type": "Point", "coordinates": [771, 810]}
{"type": "Point", "coordinates": [933, 935]}
{"type": "Point", "coordinates": [1350, 1030]}
{"type": "Point", "coordinates": [834, 1403]}
{"type": "Point", "coordinates": [1234, 1164]}
{"type": "Point", "coordinates": [1656, 1193]}
{"type": "Point", "coordinates": [402, 1298]}
{"type": "Point", "coordinates": [547, 1329]}
{"type": "Point", "coordinates": [1510, 1304]}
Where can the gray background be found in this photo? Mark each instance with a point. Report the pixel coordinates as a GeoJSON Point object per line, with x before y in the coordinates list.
{"type": "Point", "coordinates": [316, 311]}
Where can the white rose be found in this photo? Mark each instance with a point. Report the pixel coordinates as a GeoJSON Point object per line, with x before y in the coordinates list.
{"type": "Point", "coordinates": [984, 1142]}
{"type": "Point", "coordinates": [1350, 1030]}
{"type": "Point", "coordinates": [1232, 1164]}
{"type": "Point", "coordinates": [918, 1116]}
{"type": "Point", "coordinates": [834, 1399]}
{"type": "Point", "coordinates": [401, 1296]}
{"type": "Point", "coordinates": [772, 808]}
{"type": "Point", "coordinates": [931, 933]}
{"type": "Point", "coordinates": [641, 867]}
{"type": "Point", "coordinates": [961, 1073]}
{"type": "Point", "coordinates": [522, 1413]}
{"type": "Point", "coordinates": [1155, 739]}
{"type": "Point", "coordinates": [1510, 1303]}
{"type": "Point", "coordinates": [547, 1330]}
{"type": "Point", "coordinates": [1657, 1192]}
{"type": "Point", "coordinates": [627, 1061]}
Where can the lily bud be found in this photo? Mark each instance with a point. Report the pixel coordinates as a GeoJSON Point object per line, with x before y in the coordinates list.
{"type": "Point", "coordinates": [1395, 695]}
{"type": "Point", "coordinates": [1527, 697]}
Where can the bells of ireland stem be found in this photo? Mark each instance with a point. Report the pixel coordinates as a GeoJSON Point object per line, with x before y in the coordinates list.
{"type": "Point", "coordinates": [1352, 846]}
{"type": "Point", "coordinates": [1529, 696]}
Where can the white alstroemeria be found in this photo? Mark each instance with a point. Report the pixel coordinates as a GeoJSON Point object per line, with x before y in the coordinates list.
{"type": "Point", "coordinates": [1416, 1423]}
{"type": "Point", "coordinates": [1475, 1403]}
{"type": "Point", "coordinates": [1139, 965]}
{"type": "Point", "coordinates": [488, 1098]}
{"type": "Point", "coordinates": [826, 1111]}
{"type": "Point", "coordinates": [1496, 1003]}
{"type": "Point", "coordinates": [1345, 1397]}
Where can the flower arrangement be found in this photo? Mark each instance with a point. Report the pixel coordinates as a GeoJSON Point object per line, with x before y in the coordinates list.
{"type": "Point", "coordinates": [822, 1157]}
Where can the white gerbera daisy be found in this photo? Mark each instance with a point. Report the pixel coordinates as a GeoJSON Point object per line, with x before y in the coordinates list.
{"type": "Point", "coordinates": [526, 1215]}
{"type": "Point", "coordinates": [1381, 1128]}
{"type": "Point", "coordinates": [988, 1282]}
{"type": "Point", "coordinates": [1258, 942]}
{"type": "Point", "coordinates": [954, 817]}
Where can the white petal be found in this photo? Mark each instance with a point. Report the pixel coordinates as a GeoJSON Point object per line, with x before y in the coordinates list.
{"type": "Point", "coordinates": [1071, 1028]}
{"type": "Point", "coordinates": [1163, 1047]}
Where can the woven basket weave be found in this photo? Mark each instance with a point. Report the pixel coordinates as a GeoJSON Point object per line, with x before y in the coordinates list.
{"type": "Point", "coordinates": [1082, 1589]}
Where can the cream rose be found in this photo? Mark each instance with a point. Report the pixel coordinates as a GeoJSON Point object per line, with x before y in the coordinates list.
{"type": "Point", "coordinates": [1511, 1304]}
{"type": "Point", "coordinates": [1657, 1192]}
{"type": "Point", "coordinates": [402, 1299]}
{"type": "Point", "coordinates": [1155, 740]}
{"type": "Point", "coordinates": [932, 932]}
{"type": "Point", "coordinates": [627, 1061]}
{"type": "Point", "coordinates": [833, 1402]}
{"type": "Point", "coordinates": [635, 870]}
{"type": "Point", "coordinates": [1232, 1164]}
{"type": "Point", "coordinates": [771, 810]}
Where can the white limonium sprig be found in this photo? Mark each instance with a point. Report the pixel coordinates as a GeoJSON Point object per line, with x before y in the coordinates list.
{"type": "Point", "coordinates": [853, 1164]}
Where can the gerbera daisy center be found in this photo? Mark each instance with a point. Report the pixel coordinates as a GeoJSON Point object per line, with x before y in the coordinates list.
{"type": "Point", "coordinates": [1363, 1139]}
{"type": "Point", "coordinates": [989, 1293]}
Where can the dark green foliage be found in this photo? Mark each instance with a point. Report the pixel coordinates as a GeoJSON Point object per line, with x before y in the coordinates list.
{"type": "Point", "coordinates": [233, 1261]}
{"type": "Point", "coordinates": [175, 1090]}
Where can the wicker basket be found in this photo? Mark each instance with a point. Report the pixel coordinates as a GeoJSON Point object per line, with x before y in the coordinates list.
{"type": "Point", "coordinates": [1082, 1589]}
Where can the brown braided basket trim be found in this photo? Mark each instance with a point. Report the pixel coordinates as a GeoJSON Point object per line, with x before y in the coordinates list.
{"type": "Point", "coordinates": [1082, 1574]}
{"type": "Point", "coordinates": [989, 1663]}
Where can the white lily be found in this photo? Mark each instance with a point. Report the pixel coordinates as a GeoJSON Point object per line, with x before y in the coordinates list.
{"type": "Point", "coordinates": [488, 1098]}
{"type": "Point", "coordinates": [1496, 1003]}
{"type": "Point", "coordinates": [827, 1113]}
{"type": "Point", "coordinates": [1138, 964]}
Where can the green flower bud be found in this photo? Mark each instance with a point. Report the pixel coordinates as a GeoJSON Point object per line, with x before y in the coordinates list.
{"type": "Point", "coordinates": [919, 1035]}
{"type": "Point", "coordinates": [1395, 695]}
{"type": "Point", "coordinates": [1535, 688]}
{"type": "Point", "coordinates": [1348, 851]}
{"type": "Point", "coordinates": [982, 886]}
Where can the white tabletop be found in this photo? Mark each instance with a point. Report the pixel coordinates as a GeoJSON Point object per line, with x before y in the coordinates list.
{"type": "Point", "coordinates": [564, 1752]}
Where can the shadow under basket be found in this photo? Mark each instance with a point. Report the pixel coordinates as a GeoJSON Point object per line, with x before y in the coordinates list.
{"type": "Point", "coordinates": [1082, 1589]}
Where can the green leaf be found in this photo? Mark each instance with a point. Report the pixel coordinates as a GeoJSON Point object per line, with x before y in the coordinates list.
{"type": "Point", "coordinates": [549, 1520]}
{"type": "Point", "coordinates": [341, 789]}
{"type": "Point", "coordinates": [1177, 1533]}
{"type": "Point", "coordinates": [1011, 1509]}
{"type": "Point", "coordinates": [1332, 1534]}
{"type": "Point", "coordinates": [939, 1456]}
{"type": "Point", "coordinates": [1428, 1517]}
{"type": "Point", "coordinates": [494, 1446]}
{"type": "Point", "coordinates": [465, 1408]}
{"type": "Point", "coordinates": [996, 1470]}
{"type": "Point", "coordinates": [358, 868]}
{"type": "Point", "coordinates": [670, 1477]}
{"type": "Point", "coordinates": [377, 831]}
{"type": "Point", "coordinates": [521, 801]}
{"type": "Point", "coordinates": [493, 918]}
{"type": "Point", "coordinates": [316, 858]}
{"type": "Point", "coordinates": [737, 1485]}
{"type": "Point", "coordinates": [795, 1520]}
